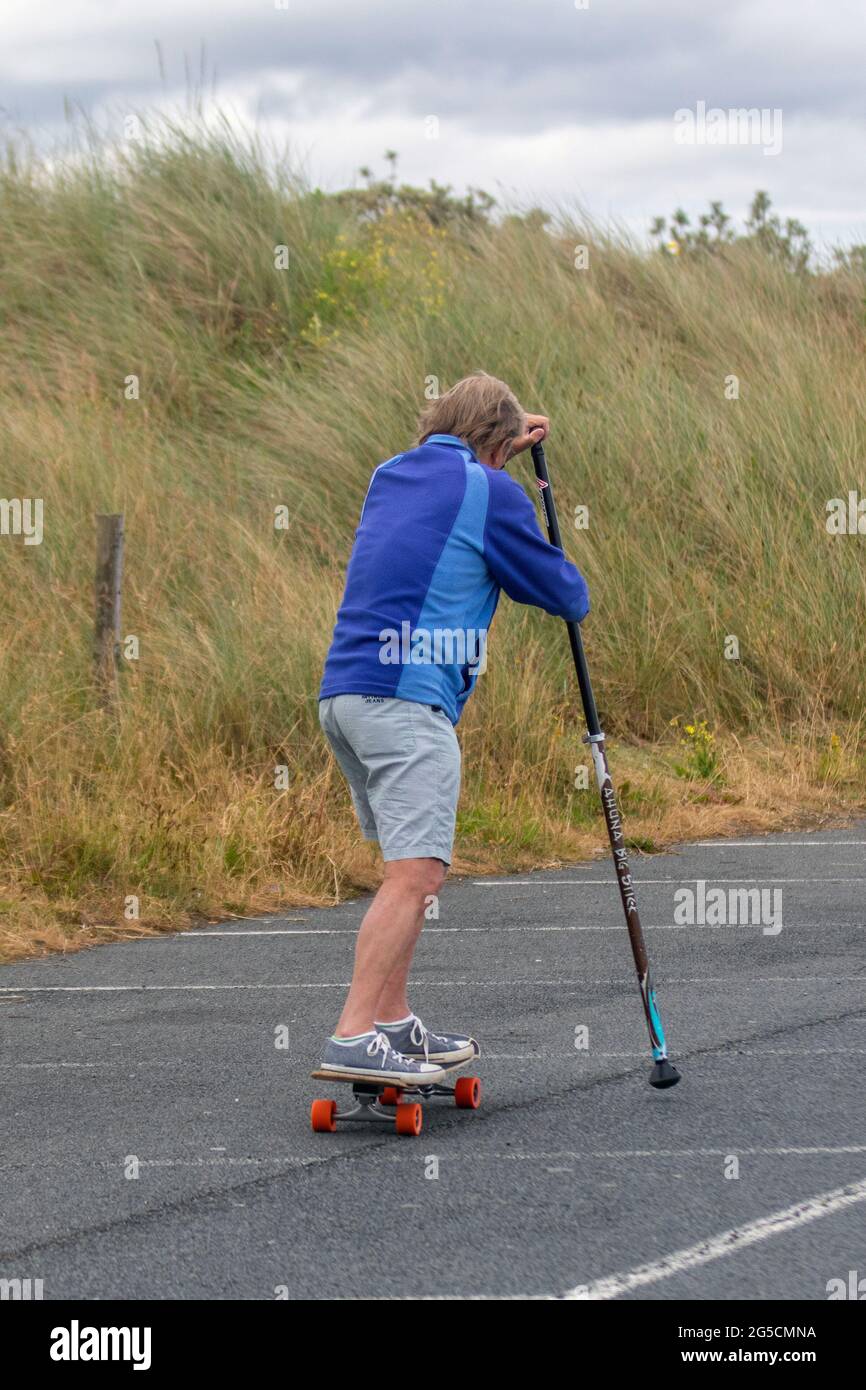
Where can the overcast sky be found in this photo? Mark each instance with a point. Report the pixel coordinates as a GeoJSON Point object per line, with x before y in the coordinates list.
{"type": "Point", "coordinates": [535, 99]}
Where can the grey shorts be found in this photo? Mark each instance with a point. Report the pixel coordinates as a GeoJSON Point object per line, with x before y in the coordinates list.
{"type": "Point", "coordinates": [402, 763]}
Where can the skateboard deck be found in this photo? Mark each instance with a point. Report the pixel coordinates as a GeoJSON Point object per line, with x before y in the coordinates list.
{"type": "Point", "coordinates": [385, 1101]}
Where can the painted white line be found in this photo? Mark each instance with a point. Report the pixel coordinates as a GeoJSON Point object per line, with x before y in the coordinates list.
{"type": "Point", "coordinates": [547, 1057]}
{"type": "Point", "coordinates": [643, 882]}
{"type": "Point", "coordinates": [49, 1066]}
{"type": "Point", "coordinates": [402, 1155]}
{"type": "Point", "coordinates": [119, 1064]}
{"type": "Point", "coordinates": [149, 989]}
{"type": "Point", "coordinates": [292, 1160]}
{"type": "Point", "coordinates": [279, 1160]}
{"type": "Point", "coordinates": [726, 1243]}
{"type": "Point", "coordinates": [774, 844]}
{"type": "Point", "coordinates": [804, 1151]}
{"type": "Point", "coordinates": [541, 1058]}
{"type": "Point", "coordinates": [446, 984]}
{"type": "Point", "coordinates": [204, 935]}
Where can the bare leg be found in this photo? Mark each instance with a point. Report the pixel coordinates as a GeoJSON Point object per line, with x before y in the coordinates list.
{"type": "Point", "coordinates": [393, 1003]}
{"type": "Point", "coordinates": [386, 943]}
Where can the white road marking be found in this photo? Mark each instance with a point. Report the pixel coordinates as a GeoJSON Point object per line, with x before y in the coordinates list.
{"type": "Point", "coordinates": [444, 984]}
{"type": "Point", "coordinates": [204, 935]}
{"type": "Point", "coordinates": [724, 1244]}
{"type": "Point", "coordinates": [788, 1151]}
{"type": "Point", "coordinates": [642, 882]}
{"type": "Point", "coordinates": [95, 1066]}
{"type": "Point", "coordinates": [544, 1058]}
{"type": "Point", "coordinates": [402, 1154]}
{"type": "Point", "coordinates": [547, 1057]}
{"type": "Point", "coordinates": [290, 1160]}
{"type": "Point", "coordinates": [48, 1066]}
{"type": "Point", "coordinates": [147, 989]}
{"type": "Point", "coordinates": [774, 844]}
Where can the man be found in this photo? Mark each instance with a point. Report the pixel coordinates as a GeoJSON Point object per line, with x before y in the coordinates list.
{"type": "Point", "coordinates": [442, 530]}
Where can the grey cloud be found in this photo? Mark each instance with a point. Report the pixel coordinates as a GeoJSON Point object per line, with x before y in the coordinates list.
{"type": "Point", "coordinates": [499, 68]}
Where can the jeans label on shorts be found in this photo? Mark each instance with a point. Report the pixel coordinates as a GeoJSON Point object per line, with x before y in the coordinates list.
{"type": "Point", "coordinates": [373, 699]}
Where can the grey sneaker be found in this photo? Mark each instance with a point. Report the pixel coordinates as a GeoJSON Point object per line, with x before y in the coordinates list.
{"type": "Point", "coordinates": [371, 1057]}
{"type": "Point", "coordinates": [412, 1039]}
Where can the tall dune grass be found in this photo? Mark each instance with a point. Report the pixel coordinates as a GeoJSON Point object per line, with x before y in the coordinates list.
{"type": "Point", "coordinates": [262, 388]}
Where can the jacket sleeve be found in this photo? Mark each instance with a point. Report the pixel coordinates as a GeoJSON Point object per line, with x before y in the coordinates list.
{"type": "Point", "coordinates": [523, 563]}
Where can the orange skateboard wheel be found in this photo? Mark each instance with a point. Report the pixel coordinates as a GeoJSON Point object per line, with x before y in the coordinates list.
{"type": "Point", "coordinates": [323, 1116]}
{"type": "Point", "coordinates": [409, 1118]}
{"type": "Point", "coordinates": [390, 1096]}
{"type": "Point", "coordinates": [467, 1093]}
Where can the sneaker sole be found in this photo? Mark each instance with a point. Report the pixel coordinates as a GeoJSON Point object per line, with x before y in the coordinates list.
{"type": "Point", "coordinates": [450, 1059]}
{"type": "Point", "coordinates": [388, 1078]}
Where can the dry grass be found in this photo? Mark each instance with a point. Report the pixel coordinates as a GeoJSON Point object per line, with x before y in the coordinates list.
{"type": "Point", "coordinates": [261, 387]}
{"type": "Point", "coordinates": [309, 853]}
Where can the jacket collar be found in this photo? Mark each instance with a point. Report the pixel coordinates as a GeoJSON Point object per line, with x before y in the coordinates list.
{"type": "Point", "coordinates": [453, 442]}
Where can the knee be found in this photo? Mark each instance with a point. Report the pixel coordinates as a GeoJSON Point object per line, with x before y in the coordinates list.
{"type": "Point", "coordinates": [422, 878]}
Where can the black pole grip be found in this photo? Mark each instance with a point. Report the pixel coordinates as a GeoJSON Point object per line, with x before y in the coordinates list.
{"type": "Point", "coordinates": [542, 478]}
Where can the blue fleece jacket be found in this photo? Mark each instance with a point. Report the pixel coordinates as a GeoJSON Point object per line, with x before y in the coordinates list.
{"type": "Point", "coordinates": [440, 534]}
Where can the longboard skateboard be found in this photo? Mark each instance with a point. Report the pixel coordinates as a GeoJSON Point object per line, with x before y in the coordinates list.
{"type": "Point", "coordinates": [386, 1102]}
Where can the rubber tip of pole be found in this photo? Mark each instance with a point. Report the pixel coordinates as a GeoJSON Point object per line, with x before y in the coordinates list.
{"type": "Point", "coordinates": [664, 1075]}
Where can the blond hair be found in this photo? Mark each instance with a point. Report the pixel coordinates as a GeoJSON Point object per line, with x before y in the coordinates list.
{"type": "Point", "coordinates": [480, 409]}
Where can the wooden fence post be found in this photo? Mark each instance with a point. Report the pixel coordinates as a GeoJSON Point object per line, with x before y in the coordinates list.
{"type": "Point", "coordinates": [109, 573]}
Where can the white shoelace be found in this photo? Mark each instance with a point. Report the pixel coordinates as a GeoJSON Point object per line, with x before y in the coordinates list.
{"type": "Point", "coordinates": [381, 1044]}
{"type": "Point", "coordinates": [423, 1038]}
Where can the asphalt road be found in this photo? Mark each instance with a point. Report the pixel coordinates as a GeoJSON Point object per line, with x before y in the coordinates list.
{"type": "Point", "coordinates": [158, 1058]}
